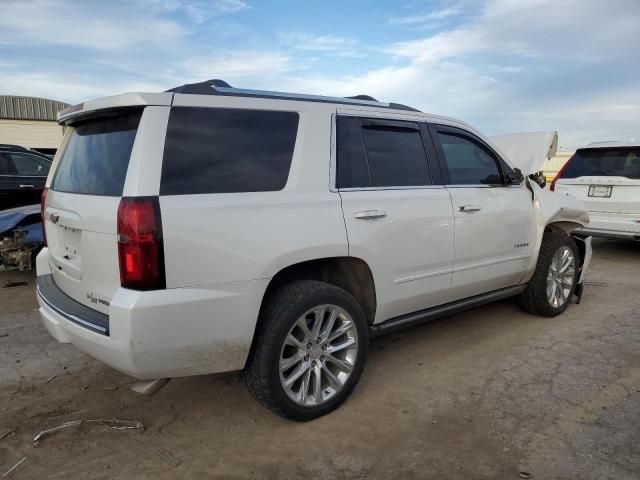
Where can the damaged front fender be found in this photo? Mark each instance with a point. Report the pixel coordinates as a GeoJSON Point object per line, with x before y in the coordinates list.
{"type": "Point", "coordinates": [552, 210]}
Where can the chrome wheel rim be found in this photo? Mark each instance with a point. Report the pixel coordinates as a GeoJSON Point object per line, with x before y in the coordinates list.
{"type": "Point", "coordinates": [318, 355]}
{"type": "Point", "coordinates": [561, 277]}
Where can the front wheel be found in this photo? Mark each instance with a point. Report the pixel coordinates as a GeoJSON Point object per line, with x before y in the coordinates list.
{"type": "Point", "coordinates": [553, 283]}
{"type": "Point", "coordinates": [309, 351]}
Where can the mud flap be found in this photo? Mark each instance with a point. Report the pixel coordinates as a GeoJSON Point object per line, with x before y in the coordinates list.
{"type": "Point", "coordinates": [584, 247]}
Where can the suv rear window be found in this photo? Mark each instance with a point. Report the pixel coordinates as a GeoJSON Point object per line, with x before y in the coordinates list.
{"type": "Point", "coordinates": [608, 162]}
{"type": "Point", "coordinates": [97, 156]}
{"type": "Point", "coordinates": [220, 150]}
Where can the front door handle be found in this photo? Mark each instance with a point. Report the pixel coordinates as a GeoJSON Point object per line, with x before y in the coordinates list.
{"type": "Point", "coordinates": [370, 214]}
{"type": "Point", "coordinates": [470, 208]}
{"type": "Point", "coordinates": [22, 185]}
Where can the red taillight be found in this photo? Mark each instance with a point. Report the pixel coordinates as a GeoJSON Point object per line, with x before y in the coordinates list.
{"type": "Point", "coordinates": [43, 206]}
{"type": "Point", "coordinates": [140, 246]}
{"type": "Point", "coordinates": [552, 187]}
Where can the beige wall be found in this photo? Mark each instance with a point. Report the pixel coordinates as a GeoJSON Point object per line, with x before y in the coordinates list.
{"type": "Point", "coordinates": [30, 133]}
{"type": "Point", "coordinates": [552, 165]}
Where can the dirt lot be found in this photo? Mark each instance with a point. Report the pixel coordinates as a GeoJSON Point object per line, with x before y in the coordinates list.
{"type": "Point", "coordinates": [485, 394]}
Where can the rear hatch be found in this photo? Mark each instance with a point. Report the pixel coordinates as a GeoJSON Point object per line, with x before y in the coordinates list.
{"type": "Point", "coordinates": [82, 205]}
{"type": "Point", "coordinates": [607, 180]}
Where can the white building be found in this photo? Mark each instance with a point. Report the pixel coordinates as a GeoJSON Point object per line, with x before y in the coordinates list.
{"type": "Point", "coordinates": [30, 122]}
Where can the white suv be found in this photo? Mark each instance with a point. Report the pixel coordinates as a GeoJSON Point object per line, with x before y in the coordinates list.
{"type": "Point", "coordinates": [606, 177]}
{"type": "Point", "coordinates": [210, 229]}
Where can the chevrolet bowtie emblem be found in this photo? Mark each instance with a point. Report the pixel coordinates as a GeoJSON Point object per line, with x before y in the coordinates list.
{"type": "Point", "coordinates": [54, 218]}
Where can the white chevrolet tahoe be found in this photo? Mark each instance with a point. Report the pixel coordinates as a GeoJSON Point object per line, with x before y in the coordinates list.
{"type": "Point", "coordinates": [210, 229]}
{"type": "Point", "coordinates": [606, 177]}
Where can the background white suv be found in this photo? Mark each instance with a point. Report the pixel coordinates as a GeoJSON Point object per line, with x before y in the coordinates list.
{"type": "Point", "coordinates": [210, 229]}
{"type": "Point", "coordinates": [606, 177]}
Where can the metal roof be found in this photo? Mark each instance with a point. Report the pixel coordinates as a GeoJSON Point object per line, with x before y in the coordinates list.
{"type": "Point", "coordinates": [29, 108]}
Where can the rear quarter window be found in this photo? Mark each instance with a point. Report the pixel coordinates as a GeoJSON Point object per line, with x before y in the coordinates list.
{"type": "Point", "coordinates": [218, 150]}
{"type": "Point", "coordinates": [96, 158]}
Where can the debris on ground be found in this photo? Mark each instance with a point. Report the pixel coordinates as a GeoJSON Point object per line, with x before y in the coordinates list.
{"type": "Point", "coordinates": [6, 434]}
{"type": "Point", "coordinates": [8, 472]}
{"type": "Point", "coordinates": [2, 335]}
{"type": "Point", "coordinates": [167, 456]}
{"type": "Point", "coordinates": [51, 378]}
{"type": "Point", "coordinates": [524, 474]}
{"type": "Point", "coordinates": [113, 424]}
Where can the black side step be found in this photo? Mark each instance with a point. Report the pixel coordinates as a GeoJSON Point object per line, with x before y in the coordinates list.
{"type": "Point", "coordinates": [422, 316]}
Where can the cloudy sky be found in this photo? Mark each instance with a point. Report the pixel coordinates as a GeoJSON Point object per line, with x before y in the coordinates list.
{"type": "Point", "coordinates": [501, 65]}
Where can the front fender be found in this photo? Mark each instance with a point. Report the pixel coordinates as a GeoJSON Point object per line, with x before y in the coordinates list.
{"type": "Point", "coordinates": [554, 210]}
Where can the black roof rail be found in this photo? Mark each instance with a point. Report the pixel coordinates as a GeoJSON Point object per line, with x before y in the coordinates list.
{"type": "Point", "coordinates": [220, 87]}
{"type": "Point", "coordinates": [8, 146]}
{"type": "Point", "coordinates": [363, 97]}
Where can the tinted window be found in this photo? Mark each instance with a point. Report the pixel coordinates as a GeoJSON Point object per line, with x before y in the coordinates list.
{"type": "Point", "coordinates": [352, 169]}
{"type": "Point", "coordinates": [96, 159]}
{"type": "Point", "coordinates": [468, 162]}
{"type": "Point", "coordinates": [375, 153]}
{"type": "Point", "coordinates": [604, 162]}
{"type": "Point", "coordinates": [5, 167]}
{"type": "Point", "coordinates": [216, 150]}
{"type": "Point", "coordinates": [30, 165]}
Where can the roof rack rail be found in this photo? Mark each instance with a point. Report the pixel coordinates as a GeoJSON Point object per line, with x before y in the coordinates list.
{"type": "Point", "coordinates": [220, 87]}
{"type": "Point", "coordinates": [8, 146]}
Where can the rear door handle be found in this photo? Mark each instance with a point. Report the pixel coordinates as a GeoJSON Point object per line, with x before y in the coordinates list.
{"type": "Point", "coordinates": [370, 214]}
{"type": "Point", "coordinates": [470, 208]}
{"type": "Point", "coordinates": [22, 185]}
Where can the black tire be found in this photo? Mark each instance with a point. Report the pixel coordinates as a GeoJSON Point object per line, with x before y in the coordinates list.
{"type": "Point", "coordinates": [282, 309]}
{"type": "Point", "coordinates": [534, 299]}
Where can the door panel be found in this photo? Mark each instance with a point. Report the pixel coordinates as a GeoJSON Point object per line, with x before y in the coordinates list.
{"type": "Point", "coordinates": [493, 220]}
{"type": "Point", "coordinates": [409, 250]}
{"type": "Point", "coordinates": [493, 243]}
{"type": "Point", "coordinates": [398, 219]}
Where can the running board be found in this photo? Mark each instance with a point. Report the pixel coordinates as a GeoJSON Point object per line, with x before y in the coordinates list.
{"type": "Point", "coordinates": [422, 316]}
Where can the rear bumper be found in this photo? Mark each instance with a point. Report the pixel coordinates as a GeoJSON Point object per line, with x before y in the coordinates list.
{"type": "Point", "coordinates": [164, 333]}
{"type": "Point", "coordinates": [612, 226]}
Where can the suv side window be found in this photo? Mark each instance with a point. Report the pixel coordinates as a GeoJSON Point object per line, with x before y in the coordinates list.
{"type": "Point", "coordinates": [380, 153]}
{"type": "Point", "coordinates": [221, 150]}
{"type": "Point", "coordinates": [5, 165]}
{"type": "Point", "coordinates": [30, 165]}
{"type": "Point", "coordinates": [467, 160]}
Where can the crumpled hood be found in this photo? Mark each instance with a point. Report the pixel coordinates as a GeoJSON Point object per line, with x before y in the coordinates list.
{"type": "Point", "coordinates": [527, 151]}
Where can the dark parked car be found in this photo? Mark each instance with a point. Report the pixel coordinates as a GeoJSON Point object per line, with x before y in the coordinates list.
{"type": "Point", "coordinates": [23, 174]}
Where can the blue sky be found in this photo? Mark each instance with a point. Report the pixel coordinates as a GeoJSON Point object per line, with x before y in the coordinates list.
{"type": "Point", "coordinates": [501, 65]}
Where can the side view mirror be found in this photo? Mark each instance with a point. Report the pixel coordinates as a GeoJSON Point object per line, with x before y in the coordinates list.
{"type": "Point", "coordinates": [539, 178]}
{"type": "Point", "coordinates": [515, 177]}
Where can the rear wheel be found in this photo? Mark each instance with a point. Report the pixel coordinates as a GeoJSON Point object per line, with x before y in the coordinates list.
{"type": "Point", "coordinates": [550, 289]}
{"type": "Point", "coordinates": [309, 351]}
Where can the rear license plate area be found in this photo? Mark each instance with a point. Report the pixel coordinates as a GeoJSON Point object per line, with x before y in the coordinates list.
{"type": "Point", "coordinates": [600, 191]}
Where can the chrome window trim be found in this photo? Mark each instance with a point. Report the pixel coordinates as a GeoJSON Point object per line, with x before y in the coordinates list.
{"type": "Point", "coordinates": [406, 187]}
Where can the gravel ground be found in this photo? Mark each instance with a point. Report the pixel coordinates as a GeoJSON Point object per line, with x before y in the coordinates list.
{"type": "Point", "coordinates": [486, 394]}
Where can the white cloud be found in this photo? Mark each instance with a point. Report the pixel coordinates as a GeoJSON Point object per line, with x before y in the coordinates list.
{"type": "Point", "coordinates": [198, 10]}
{"type": "Point", "coordinates": [537, 65]}
{"type": "Point", "coordinates": [425, 18]}
{"type": "Point", "coordinates": [336, 45]}
{"type": "Point", "coordinates": [63, 23]}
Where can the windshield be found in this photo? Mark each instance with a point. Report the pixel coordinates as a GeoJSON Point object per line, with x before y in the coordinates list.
{"type": "Point", "coordinates": [608, 162]}
{"type": "Point", "coordinates": [96, 159]}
